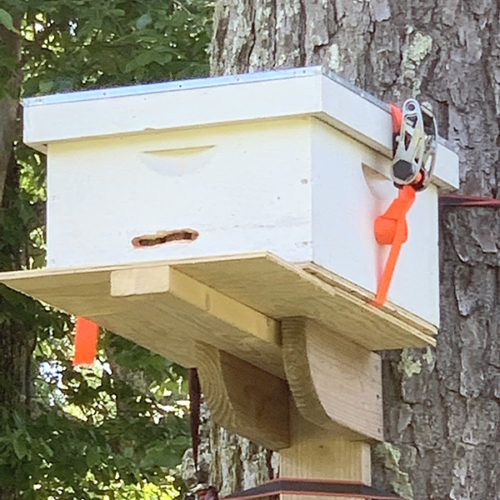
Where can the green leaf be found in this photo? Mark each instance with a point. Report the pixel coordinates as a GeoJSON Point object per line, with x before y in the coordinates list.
{"type": "Point", "coordinates": [47, 449]}
{"type": "Point", "coordinates": [45, 86]}
{"type": "Point", "coordinates": [92, 457]}
{"type": "Point", "coordinates": [143, 21]}
{"type": "Point", "coordinates": [19, 445]}
{"type": "Point", "coordinates": [6, 20]}
{"type": "Point", "coordinates": [162, 455]}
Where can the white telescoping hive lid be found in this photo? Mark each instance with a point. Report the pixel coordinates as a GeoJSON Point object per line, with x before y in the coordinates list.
{"type": "Point", "coordinates": [157, 107]}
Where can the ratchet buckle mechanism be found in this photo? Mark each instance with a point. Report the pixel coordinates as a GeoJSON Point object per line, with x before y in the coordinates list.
{"type": "Point", "coordinates": [414, 144]}
{"type": "Point", "coordinates": [414, 147]}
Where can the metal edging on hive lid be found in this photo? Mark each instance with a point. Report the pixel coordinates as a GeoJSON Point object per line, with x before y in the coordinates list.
{"type": "Point", "coordinates": [170, 86]}
{"type": "Point", "coordinates": [312, 91]}
{"type": "Point", "coordinates": [198, 83]}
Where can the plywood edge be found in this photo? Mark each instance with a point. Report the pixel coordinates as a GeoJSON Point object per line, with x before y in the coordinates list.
{"type": "Point", "coordinates": [159, 307]}
{"type": "Point", "coordinates": [409, 336]}
{"type": "Point", "coordinates": [398, 333]}
{"type": "Point", "coordinates": [11, 276]}
{"type": "Point", "coordinates": [31, 281]}
{"type": "Point", "coordinates": [306, 270]}
{"type": "Point", "coordinates": [240, 279]}
{"type": "Point", "coordinates": [243, 398]}
{"type": "Point", "coordinates": [389, 307]}
{"type": "Point", "coordinates": [352, 294]}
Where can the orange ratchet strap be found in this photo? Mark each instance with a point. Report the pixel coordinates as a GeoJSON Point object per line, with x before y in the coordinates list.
{"type": "Point", "coordinates": [86, 332]}
{"type": "Point", "coordinates": [397, 119]}
{"type": "Point", "coordinates": [391, 227]}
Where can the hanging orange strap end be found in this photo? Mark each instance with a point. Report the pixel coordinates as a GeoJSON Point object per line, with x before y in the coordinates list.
{"type": "Point", "coordinates": [391, 229]}
{"type": "Point", "coordinates": [86, 333]}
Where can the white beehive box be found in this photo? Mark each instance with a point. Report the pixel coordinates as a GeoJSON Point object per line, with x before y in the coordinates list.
{"type": "Point", "coordinates": [294, 162]}
{"type": "Point", "coordinates": [268, 186]}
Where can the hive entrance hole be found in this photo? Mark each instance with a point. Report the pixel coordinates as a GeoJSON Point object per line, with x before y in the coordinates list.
{"type": "Point", "coordinates": [162, 237]}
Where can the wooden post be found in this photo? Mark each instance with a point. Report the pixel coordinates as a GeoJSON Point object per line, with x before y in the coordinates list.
{"type": "Point", "coordinates": [316, 453]}
{"type": "Point", "coordinates": [336, 393]}
{"type": "Point", "coordinates": [323, 423]}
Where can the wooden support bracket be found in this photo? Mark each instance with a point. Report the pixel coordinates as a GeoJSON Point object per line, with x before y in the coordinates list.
{"type": "Point", "coordinates": [335, 383]}
{"type": "Point", "coordinates": [243, 398]}
{"type": "Point", "coordinates": [292, 384]}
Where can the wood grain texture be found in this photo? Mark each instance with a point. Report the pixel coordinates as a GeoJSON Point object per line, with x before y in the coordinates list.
{"type": "Point", "coordinates": [341, 283]}
{"type": "Point", "coordinates": [232, 302]}
{"type": "Point", "coordinates": [336, 385]}
{"type": "Point", "coordinates": [317, 453]}
{"type": "Point", "coordinates": [87, 293]}
{"type": "Point", "coordinates": [279, 289]}
{"type": "Point", "coordinates": [208, 314]}
{"type": "Point", "coordinates": [167, 319]}
{"type": "Point", "coordinates": [244, 399]}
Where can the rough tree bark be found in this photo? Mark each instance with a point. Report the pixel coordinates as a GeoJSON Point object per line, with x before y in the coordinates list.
{"type": "Point", "coordinates": [442, 406]}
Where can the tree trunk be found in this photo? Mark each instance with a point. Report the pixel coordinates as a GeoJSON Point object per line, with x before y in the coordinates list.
{"type": "Point", "coordinates": [442, 409]}
{"type": "Point", "coordinates": [10, 84]}
{"type": "Point", "coordinates": [16, 343]}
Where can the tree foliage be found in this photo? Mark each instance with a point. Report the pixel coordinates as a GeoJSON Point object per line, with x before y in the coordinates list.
{"type": "Point", "coordinates": [117, 430]}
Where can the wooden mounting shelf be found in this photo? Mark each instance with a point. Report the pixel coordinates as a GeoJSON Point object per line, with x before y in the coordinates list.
{"type": "Point", "coordinates": [264, 333]}
{"type": "Point", "coordinates": [232, 302]}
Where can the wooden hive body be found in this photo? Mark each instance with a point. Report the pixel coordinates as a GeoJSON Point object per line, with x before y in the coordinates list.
{"type": "Point", "coordinates": [289, 162]}
{"type": "Point", "coordinates": [279, 177]}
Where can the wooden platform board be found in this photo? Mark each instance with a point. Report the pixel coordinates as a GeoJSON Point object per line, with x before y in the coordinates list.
{"type": "Point", "coordinates": [232, 302]}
